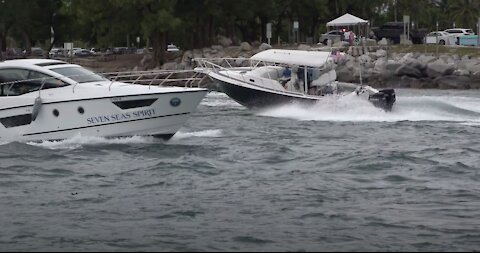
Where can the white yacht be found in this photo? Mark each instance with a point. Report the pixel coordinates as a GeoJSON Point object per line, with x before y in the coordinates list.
{"type": "Point", "coordinates": [275, 77]}
{"type": "Point", "coordinates": [43, 99]}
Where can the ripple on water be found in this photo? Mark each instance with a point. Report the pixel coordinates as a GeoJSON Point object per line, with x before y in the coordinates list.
{"type": "Point", "coordinates": [251, 240]}
{"type": "Point", "coordinates": [331, 177]}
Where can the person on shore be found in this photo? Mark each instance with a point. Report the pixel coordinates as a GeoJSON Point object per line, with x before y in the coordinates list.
{"type": "Point", "coordinates": [346, 35]}
{"type": "Point", "coordinates": [351, 38]}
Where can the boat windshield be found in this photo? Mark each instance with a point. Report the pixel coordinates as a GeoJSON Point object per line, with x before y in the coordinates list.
{"type": "Point", "coordinates": [79, 74]}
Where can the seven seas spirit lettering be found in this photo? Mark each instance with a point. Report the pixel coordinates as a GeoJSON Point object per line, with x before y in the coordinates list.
{"type": "Point", "coordinates": [121, 117]}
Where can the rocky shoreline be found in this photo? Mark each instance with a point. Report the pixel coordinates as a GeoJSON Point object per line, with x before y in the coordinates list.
{"type": "Point", "coordinates": [411, 70]}
{"type": "Point", "coordinates": [372, 65]}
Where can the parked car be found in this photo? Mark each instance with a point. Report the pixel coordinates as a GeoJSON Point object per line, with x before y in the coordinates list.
{"type": "Point", "coordinates": [172, 48]}
{"type": "Point", "coordinates": [334, 35]}
{"type": "Point", "coordinates": [441, 38]}
{"type": "Point", "coordinates": [35, 51]}
{"type": "Point", "coordinates": [393, 31]}
{"type": "Point", "coordinates": [458, 32]}
{"type": "Point", "coordinates": [94, 51]}
{"type": "Point", "coordinates": [13, 53]}
{"type": "Point", "coordinates": [81, 52]}
{"type": "Point", "coordinates": [57, 52]}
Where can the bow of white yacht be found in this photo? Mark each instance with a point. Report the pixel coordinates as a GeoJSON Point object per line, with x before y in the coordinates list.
{"type": "Point", "coordinates": [52, 100]}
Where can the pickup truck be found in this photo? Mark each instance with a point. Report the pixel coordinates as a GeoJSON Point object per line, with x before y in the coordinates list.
{"type": "Point", "coordinates": [393, 31]}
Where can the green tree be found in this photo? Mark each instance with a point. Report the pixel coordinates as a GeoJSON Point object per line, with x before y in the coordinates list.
{"type": "Point", "coordinates": [31, 25]}
{"type": "Point", "coordinates": [466, 12]}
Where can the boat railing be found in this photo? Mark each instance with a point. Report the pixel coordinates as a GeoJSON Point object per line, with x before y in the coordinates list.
{"type": "Point", "coordinates": [186, 78]}
{"type": "Point", "coordinates": [181, 78]}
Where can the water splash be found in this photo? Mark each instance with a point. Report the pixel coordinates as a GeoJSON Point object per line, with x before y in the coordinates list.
{"type": "Point", "coordinates": [79, 141]}
{"type": "Point", "coordinates": [355, 109]}
{"type": "Point", "coordinates": [214, 133]}
{"type": "Point", "coordinates": [214, 99]}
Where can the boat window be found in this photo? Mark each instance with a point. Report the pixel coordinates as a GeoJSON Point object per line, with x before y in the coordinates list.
{"type": "Point", "coordinates": [22, 81]}
{"type": "Point", "coordinates": [79, 74]}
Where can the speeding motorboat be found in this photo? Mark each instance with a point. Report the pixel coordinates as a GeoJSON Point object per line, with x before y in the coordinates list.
{"type": "Point", "coordinates": [276, 77]}
{"type": "Point", "coordinates": [43, 99]}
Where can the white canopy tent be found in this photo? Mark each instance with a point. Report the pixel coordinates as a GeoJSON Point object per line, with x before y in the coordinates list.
{"type": "Point", "coordinates": [349, 20]}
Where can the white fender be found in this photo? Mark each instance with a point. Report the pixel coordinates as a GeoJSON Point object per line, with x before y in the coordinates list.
{"type": "Point", "coordinates": [36, 108]}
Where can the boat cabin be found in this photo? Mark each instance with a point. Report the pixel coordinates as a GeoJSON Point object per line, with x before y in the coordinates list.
{"type": "Point", "coordinates": [309, 72]}
{"type": "Point", "coordinates": [24, 76]}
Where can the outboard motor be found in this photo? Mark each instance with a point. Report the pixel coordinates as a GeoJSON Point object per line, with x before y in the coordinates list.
{"type": "Point", "coordinates": [383, 99]}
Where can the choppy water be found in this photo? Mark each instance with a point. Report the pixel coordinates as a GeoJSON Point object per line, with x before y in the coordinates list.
{"type": "Point", "coordinates": [342, 176]}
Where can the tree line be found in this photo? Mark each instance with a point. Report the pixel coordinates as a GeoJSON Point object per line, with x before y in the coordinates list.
{"type": "Point", "coordinates": [197, 23]}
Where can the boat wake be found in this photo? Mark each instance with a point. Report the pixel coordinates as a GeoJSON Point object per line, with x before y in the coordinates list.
{"type": "Point", "coordinates": [351, 108]}
{"type": "Point", "coordinates": [80, 141]}
{"type": "Point", "coordinates": [215, 133]}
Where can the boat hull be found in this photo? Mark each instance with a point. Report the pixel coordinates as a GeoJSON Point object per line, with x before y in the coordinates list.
{"type": "Point", "coordinates": [260, 99]}
{"type": "Point", "coordinates": [159, 115]}
{"type": "Point", "coordinates": [253, 98]}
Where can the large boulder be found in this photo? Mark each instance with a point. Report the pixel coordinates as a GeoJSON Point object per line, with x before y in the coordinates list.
{"type": "Point", "coordinates": [438, 69]}
{"type": "Point", "coordinates": [198, 53]}
{"type": "Point", "coordinates": [461, 72]}
{"type": "Point", "coordinates": [470, 65]}
{"type": "Point", "coordinates": [407, 58]}
{"type": "Point", "coordinates": [380, 65]}
{"type": "Point", "coordinates": [187, 58]}
{"type": "Point", "coordinates": [256, 44]}
{"type": "Point", "coordinates": [264, 47]}
{"type": "Point", "coordinates": [364, 59]}
{"type": "Point", "coordinates": [408, 70]}
{"type": "Point", "coordinates": [147, 61]}
{"type": "Point", "coordinates": [344, 74]}
{"type": "Point", "coordinates": [426, 59]}
{"type": "Point", "coordinates": [448, 59]}
{"type": "Point", "coordinates": [381, 53]}
{"type": "Point", "coordinates": [224, 41]}
{"type": "Point", "coordinates": [383, 42]}
{"type": "Point", "coordinates": [453, 82]}
{"type": "Point", "coordinates": [245, 46]}
{"type": "Point", "coordinates": [217, 47]}
{"type": "Point", "coordinates": [392, 66]}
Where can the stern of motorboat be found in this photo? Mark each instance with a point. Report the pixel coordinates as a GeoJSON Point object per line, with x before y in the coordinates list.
{"type": "Point", "coordinates": [383, 99]}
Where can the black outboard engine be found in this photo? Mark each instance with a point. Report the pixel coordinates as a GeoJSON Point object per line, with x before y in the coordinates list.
{"type": "Point", "coordinates": [383, 99]}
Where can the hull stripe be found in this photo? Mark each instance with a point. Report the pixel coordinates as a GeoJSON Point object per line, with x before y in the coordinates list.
{"type": "Point", "coordinates": [78, 128]}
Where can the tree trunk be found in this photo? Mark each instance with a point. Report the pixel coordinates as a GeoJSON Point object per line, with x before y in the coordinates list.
{"type": "Point", "coordinates": [263, 31]}
{"type": "Point", "coordinates": [211, 30]}
{"type": "Point", "coordinates": [3, 42]}
{"type": "Point", "coordinates": [158, 44]}
{"type": "Point", "coordinates": [28, 43]}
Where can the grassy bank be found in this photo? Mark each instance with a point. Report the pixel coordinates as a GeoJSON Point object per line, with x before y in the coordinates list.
{"type": "Point", "coordinates": [434, 49]}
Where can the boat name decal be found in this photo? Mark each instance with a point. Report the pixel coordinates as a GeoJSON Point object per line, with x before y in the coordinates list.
{"type": "Point", "coordinates": [121, 117]}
